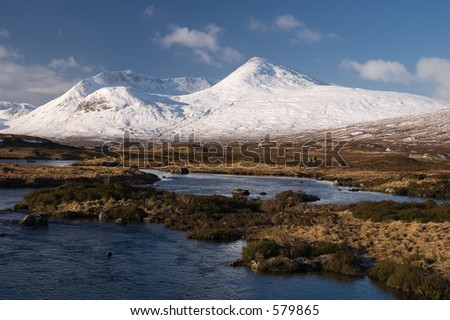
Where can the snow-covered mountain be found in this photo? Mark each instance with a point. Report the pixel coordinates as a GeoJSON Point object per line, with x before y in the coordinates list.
{"type": "Point", "coordinates": [109, 104]}
{"type": "Point", "coordinates": [259, 97]}
{"type": "Point", "coordinates": [12, 110]}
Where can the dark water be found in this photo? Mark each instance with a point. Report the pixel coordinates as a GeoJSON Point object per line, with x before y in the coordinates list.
{"type": "Point", "coordinates": [67, 260]}
{"type": "Point", "coordinates": [206, 184]}
{"type": "Point", "coordinates": [11, 196]}
{"type": "Point", "coordinates": [45, 163]}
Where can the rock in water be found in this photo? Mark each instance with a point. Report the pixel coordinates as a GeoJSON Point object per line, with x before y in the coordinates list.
{"type": "Point", "coordinates": [180, 170]}
{"type": "Point", "coordinates": [35, 220]}
{"type": "Point", "coordinates": [103, 217]}
{"type": "Point", "coordinates": [240, 192]}
{"type": "Point", "coordinates": [120, 221]}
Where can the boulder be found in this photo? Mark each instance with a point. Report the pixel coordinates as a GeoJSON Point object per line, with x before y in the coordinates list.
{"type": "Point", "coordinates": [103, 217]}
{"type": "Point", "coordinates": [240, 192]}
{"type": "Point", "coordinates": [120, 221]}
{"type": "Point", "coordinates": [389, 190]}
{"type": "Point", "coordinates": [306, 197]}
{"type": "Point", "coordinates": [180, 170]}
{"type": "Point", "coordinates": [35, 220]}
{"type": "Point", "coordinates": [237, 263]}
{"type": "Point", "coordinates": [337, 183]}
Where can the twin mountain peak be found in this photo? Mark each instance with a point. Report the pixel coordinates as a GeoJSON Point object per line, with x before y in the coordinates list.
{"type": "Point", "coordinates": [259, 97]}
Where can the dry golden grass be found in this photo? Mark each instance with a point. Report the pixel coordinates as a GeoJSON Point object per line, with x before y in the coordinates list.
{"type": "Point", "coordinates": [20, 176]}
{"type": "Point", "coordinates": [424, 244]}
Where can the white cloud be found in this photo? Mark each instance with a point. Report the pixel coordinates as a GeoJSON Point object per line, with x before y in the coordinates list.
{"type": "Point", "coordinates": [34, 83]}
{"type": "Point", "coordinates": [307, 36]}
{"type": "Point", "coordinates": [379, 70]}
{"type": "Point", "coordinates": [430, 71]}
{"type": "Point", "coordinates": [204, 44]}
{"type": "Point", "coordinates": [4, 33]}
{"type": "Point", "coordinates": [64, 63]}
{"type": "Point", "coordinates": [437, 71]}
{"type": "Point", "coordinates": [230, 55]}
{"type": "Point", "coordinates": [256, 25]}
{"type": "Point", "coordinates": [288, 22]}
{"type": "Point", "coordinates": [193, 39]}
{"type": "Point", "coordinates": [8, 53]}
{"type": "Point", "coordinates": [149, 11]}
{"type": "Point", "coordinates": [298, 30]}
{"type": "Point", "coordinates": [69, 63]}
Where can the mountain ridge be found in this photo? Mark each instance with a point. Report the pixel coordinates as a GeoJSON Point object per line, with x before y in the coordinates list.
{"type": "Point", "coordinates": [257, 98]}
{"type": "Point", "coordinates": [13, 110]}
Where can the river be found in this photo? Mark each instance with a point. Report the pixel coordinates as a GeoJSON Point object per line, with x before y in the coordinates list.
{"type": "Point", "coordinates": [40, 162]}
{"type": "Point", "coordinates": [221, 184]}
{"type": "Point", "coordinates": [68, 259]}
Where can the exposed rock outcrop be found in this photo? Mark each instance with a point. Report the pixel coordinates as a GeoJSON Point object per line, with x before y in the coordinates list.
{"type": "Point", "coordinates": [35, 220]}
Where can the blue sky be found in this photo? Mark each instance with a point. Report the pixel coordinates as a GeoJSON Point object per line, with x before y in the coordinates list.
{"type": "Point", "coordinates": [400, 45]}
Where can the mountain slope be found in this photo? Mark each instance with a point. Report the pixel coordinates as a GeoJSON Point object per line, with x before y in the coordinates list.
{"type": "Point", "coordinates": [12, 110]}
{"type": "Point", "coordinates": [108, 104]}
{"type": "Point", "coordinates": [426, 129]}
{"type": "Point", "coordinates": [259, 97]}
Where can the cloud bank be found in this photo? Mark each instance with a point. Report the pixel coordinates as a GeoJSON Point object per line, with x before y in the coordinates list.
{"type": "Point", "coordinates": [431, 71]}
{"type": "Point", "coordinates": [204, 44]}
{"type": "Point", "coordinates": [288, 22]}
{"type": "Point", "coordinates": [256, 25]}
{"type": "Point", "coordinates": [379, 70]}
{"type": "Point", "coordinates": [437, 71]}
{"type": "Point", "coordinates": [33, 83]}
